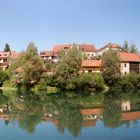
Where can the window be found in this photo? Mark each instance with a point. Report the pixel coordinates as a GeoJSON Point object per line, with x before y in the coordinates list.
{"type": "Point", "coordinates": [125, 65]}
{"type": "Point", "coordinates": [125, 72]}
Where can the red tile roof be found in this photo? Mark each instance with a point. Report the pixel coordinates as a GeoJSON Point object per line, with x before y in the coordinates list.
{"type": "Point", "coordinates": [95, 111]}
{"type": "Point", "coordinates": [15, 55]}
{"type": "Point", "coordinates": [47, 53]}
{"type": "Point", "coordinates": [87, 48]}
{"type": "Point", "coordinates": [91, 63]}
{"type": "Point", "coordinates": [58, 48]}
{"type": "Point", "coordinates": [82, 47]}
{"type": "Point", "coordinates": [19, 70]}
{"type": "Point", "coordinates": [110, 45]}
{"type": "Point", "coordinates": [129, 57]}
{"type": "Point", "coordinates": [127, 116]}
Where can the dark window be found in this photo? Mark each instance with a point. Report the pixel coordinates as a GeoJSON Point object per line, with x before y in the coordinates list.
{"type": "Point", "coordinates": [124, 65]}
{"type": "Point", "coordinates": [89, 71]}
{"type": "Point", "coordinates": [134, 67]}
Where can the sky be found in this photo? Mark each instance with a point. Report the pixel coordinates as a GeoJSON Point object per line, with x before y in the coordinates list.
{"type": "Point", "coordinates": [51, 22]}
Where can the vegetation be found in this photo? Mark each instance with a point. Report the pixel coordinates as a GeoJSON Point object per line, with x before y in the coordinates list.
{"type": "Point", "coordinates": [30, 67]}
{"type": "Point", "coordinates": [111, 67]}
{"type": "Point", "coordinates": [7, 48]}
{"type": "Point", "coordinates": [3, 77]}
{"type": "Point", "coordinates": [130, 48]}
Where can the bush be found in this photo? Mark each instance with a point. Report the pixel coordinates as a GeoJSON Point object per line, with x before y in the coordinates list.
{"type": "Point", "coordinates": [91, 81]}
{"type": "Point", "coordinates": [130, 81]}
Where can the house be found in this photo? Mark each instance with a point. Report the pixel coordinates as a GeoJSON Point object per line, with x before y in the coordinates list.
{"type": "Point", "coordinates": [4, 59]}
{"type": "Point", "coordinates": [47, 56]}
{"type": "Point", "coordinates": [91, 66]}
{"type": "Point", "coordinates": [87, 49]}
{"type": "Point", "coordinates": [111, 46]}
{"type": "Point", "coordinates": [130, 62]}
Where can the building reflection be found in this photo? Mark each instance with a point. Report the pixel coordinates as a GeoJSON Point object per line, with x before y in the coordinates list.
{"type": "Point", "coordinates": [90, 116]}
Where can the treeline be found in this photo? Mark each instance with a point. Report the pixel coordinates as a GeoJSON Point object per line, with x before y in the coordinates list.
{"type": "Point", "coordinates": [29, 71]}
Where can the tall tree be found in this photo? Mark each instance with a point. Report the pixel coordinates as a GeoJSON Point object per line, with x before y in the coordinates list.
{"type": "Point", "coordinates": [110, 67]}
{"type": "Point", "coordinates": [126, 46]}
{"type": "Point", "coordinates": [7, 48]}
{"type": "Point", "coordinates": [67, 68]}
{"type": "Point", "coordinates": [133, 48]}
{"type": "Point", "coordinates": [31, 66]}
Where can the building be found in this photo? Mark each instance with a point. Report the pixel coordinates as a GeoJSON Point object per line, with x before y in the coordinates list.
{"type": "Point", "coordinates": [111, 46]}
{"type": "Point", "coordinates": [4, 59]}
{"type": "Point", "coordinates": [130, 62]}
{"type": "Point", "coordinates": [91, 66]}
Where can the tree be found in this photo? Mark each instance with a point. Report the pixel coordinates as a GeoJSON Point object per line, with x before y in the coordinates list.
{"type": "Point", "coordinates": [111, 67]}
{"type": "Point", "coordinates": [125, 46]}
{"type": "Point", "coordinates": [67, 68]}
{"type": "Point", "coordinates": [130, 48]}
{"type": "Point", "coordinates": [31, 66]}
{"type": "Point", "coordinates": [133, 48]}
{"type": "Point", "coordinates": [3, 76]}
{"type": "Point", "coordinates": [7, 48]}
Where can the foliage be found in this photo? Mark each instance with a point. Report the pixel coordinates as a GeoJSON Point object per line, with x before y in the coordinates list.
{"type": "Point", "coordinates": [91, 81]}
{"type": "Point", "coordinates": [7, 48]}
{"type": "Point", "coordinates": [31, 66]}
{"type": "Point", "coordinates": [130, 82]}
{"type": "Point", "coordinates": [111, 67]}
{"type": "Point", "coordinates": [3, 77]}
{"type": "Point", "coordinates": [130, 48]}
{"type": "Point", "coordinates": [67, 67]}
{"type": "Point", "coordinates": [112, 111]}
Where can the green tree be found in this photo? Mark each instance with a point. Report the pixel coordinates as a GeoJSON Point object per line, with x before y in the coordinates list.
{"type": "Point", "coordinates": [31, 66]}
{"type": "Point", "coordinates": [126, 46]}
{"type": "Point", "coordinates": [130, 48]}
{"type": "Point", "coordinates": [3, 76]}
{"type": "Point", "coordinates": [67, 68]}
{"type": "Point", "coordinates": [7, 48]}
{"type": "Point", "coordinates": [111, 67]}
{"type": "Point", "coordinates": [133, 48]}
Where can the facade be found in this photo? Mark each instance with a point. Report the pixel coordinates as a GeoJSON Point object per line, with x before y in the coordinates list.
{"type": "Point", "coordinates": [130, 62]}
{"type": "Point", "coordinates": [112, 46]}
{"type": "Point", "coordinates": [4, 59]}
{"type": "Point", "coordinates": [91, 66]}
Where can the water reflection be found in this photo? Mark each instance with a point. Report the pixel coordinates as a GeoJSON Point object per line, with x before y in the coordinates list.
{"type": "Point", "coordinates": [70, 111]}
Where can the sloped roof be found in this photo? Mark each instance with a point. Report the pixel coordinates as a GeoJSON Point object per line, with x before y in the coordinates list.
{"type": "Point", "coordinates": [58, 48]}
{"type": "Point", "coordinates": [94, 111]}
{"type": "Point", "coordinates": [87, 48]}
{"type": "Point", "coordinates": [46, 53]}
{"type": "Point", "coordinates": [129, 57]}
{"type": "Point", "coordinates": [81, 47]}
{"type": "Point", "coordinates": [91, 63]}
{"type": "Point", "coordinates": [14, 55]}
{"type": "Point", "coordinates": [19, 70]}
{"type": "Point", "coordinates": [110, 45]}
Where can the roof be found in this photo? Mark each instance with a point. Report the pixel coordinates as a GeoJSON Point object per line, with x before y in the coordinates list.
{"type": "Point", "coordinates": [87, 48]}
{"type": "Point", "coordinates": [127, 116]}
{"type": "Point", "coordinates": [110, 45]}
{"type": "Point", "coordinates": [58, 48]}
{"type": "Point", "coordinates": [94, 111]}
{"type": "Point", "coordinates": [129, 57]}
{"type": "Point", "coordinates": [19, 70]}
{"type": "Point", "coordinates": [47, 53]}
{"type": "Point", "coordinates": [4, 54]}
{"type": "Point", "coordinates": [91, 63]}
{"type": "Point", "coordinates": [81, 47]}
{"type": "Point", "coordinates": [14, 55]}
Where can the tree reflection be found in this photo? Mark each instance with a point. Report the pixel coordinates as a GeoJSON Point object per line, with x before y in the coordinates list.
{"type": "Point", "coordinates": [112, 110]}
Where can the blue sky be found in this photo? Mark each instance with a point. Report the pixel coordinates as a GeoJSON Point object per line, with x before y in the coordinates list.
{"type": "Point", "coordinates": [50, 22]}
